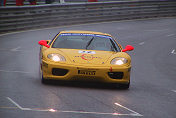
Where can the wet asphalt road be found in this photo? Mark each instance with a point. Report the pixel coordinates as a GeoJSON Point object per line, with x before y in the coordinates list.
{"type": "Point", "coordinates": [153, 79]}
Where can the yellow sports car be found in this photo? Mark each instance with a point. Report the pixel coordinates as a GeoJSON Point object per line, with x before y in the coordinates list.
{"type": "Point", "coordinates": [85, 55]}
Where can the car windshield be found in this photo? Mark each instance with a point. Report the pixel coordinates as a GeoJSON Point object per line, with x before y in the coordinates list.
{"type": "Point", "coordinates": [85, 41]}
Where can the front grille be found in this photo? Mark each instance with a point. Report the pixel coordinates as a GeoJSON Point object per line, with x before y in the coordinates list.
{"type": "Point", "coordinates": [59, 71]}
{"type": "Point", "coordinates": [116, 75]}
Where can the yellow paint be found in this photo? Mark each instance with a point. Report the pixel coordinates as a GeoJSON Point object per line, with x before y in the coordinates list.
{"type": "Point", "coordinates": [99, 62]}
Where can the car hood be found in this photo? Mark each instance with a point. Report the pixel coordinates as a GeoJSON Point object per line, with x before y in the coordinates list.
{"type": "Point", "coordinates": [87, 56]}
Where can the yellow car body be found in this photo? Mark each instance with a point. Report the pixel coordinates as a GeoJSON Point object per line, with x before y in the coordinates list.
{"type": "Point", "coordinates": [84, 64]}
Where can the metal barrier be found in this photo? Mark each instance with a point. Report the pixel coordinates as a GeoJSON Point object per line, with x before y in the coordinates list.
{"type": "Point", "coordinates": [30, 17]}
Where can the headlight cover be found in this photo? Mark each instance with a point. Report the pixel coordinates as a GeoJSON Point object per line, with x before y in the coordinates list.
{"type": "Point", "coordinates": [119, 61]}
{"type": "Point", "coordinates": [56, 57]}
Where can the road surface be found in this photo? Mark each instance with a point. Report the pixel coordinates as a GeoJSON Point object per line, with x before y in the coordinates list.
{"type": "Point", "coordinates": [153, 79]}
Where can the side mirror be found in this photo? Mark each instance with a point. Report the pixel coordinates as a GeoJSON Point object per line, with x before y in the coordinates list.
{"type": "Point", "coordinates": [128, 48]}
{"type": "Point", "coordinates": [43, 43]}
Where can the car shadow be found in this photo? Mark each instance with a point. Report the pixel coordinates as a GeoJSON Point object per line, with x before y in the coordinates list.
{"type": "Point", "coordinates": [84, 84]}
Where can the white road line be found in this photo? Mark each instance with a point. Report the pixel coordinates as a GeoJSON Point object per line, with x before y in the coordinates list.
{"type": "Point", "coordinates": [170, 35]}
{"type": "Point", "coordinates": [4, 49]}
{"type": "Point", "coordinates": [7, 71]}
{"type": "Point", "coordinates": [84, 112]}
{"type": "Point", "coordinates": [173, 51]}
{"type": "Point", "coordinates": [15, 49]}
{"type": "Point", "coordinates": [174, 91]}
{"type": "Point", "coordinates": [77, 112]}
{"type": "Point", "coordinates": [134, 113]}
{"type": "Point", "coordinates": [8, 107]}
{"type": "Point", "coordinates": [142, 43]}
{"type": "Point", "coordinates": [157, 30]}
{"type": "Point", "coordinates": [16, 104]}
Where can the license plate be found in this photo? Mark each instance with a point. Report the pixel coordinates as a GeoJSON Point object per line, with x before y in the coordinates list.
{"type": "Point", "coordinates": [86, 72]}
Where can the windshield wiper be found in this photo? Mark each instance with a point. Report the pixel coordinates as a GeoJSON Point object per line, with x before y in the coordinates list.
{"type": "Point", "coordinates": [89, 42]}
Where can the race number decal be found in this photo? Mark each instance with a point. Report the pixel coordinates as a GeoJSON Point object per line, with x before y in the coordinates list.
{"type": "Point", "coordinates": [86, 52]}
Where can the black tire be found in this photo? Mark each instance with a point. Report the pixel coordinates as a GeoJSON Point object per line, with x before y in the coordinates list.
{"type": "Point", "coordinates": [124, 86]}
{"type": "Point", "coordinates": [43, 80]}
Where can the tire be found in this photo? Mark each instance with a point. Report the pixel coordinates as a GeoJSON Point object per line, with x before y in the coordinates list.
{"type": "Point", "coordinates": [124, 86]}
{"type": "Point", "coordinates": [43, 80]}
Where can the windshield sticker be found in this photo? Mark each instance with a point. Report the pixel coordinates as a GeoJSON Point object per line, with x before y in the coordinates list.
{"type": "Point", "coordinates": [86, 52]}
{"type": "Point", "coordinates": [78, 34]}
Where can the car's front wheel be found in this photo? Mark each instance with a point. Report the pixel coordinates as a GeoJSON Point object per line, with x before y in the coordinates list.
{"type": "Point", "coordinates": [124, 86]}
{"type": "Point", "coordinates": [43, 80]}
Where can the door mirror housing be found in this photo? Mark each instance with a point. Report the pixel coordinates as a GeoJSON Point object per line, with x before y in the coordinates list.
{"type": "Point", "coordinates": [128, 48]}
{"type": "Point", "coordinates": [43, 43]}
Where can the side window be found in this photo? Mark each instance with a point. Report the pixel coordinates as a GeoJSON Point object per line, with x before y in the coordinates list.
{"type": "Point", "coordinates": [116, 45]}
{"type": "Point", "coordinates": [53, 39]}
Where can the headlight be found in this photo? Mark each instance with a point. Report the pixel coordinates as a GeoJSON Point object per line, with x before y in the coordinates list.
{"type": "Point", "coordinates": [119, 61]}
{"type": "Point", "coordinates": [56, 57]}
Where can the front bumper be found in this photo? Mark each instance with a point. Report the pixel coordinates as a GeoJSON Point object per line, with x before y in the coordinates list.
{"type": "Point", "coordinates": [108, 74]}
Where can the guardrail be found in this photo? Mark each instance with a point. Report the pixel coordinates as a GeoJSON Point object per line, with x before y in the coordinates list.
{"type": "Point", "coordinates": [29, 17]}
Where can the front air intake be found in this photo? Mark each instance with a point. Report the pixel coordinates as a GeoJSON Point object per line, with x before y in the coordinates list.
{"type": "Point", "coordinates": [116, 75]}
{"type": "Point", "coordinates": [59, 71]}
